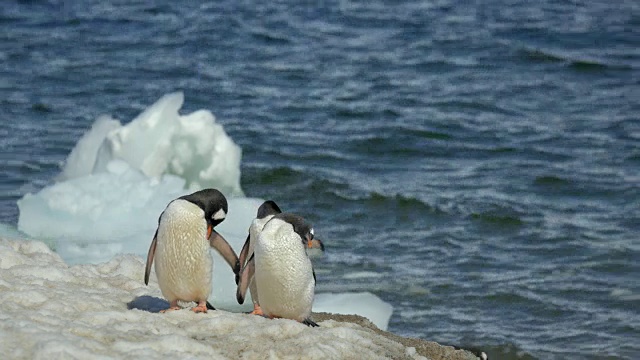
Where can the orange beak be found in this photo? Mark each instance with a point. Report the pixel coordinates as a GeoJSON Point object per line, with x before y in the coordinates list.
{"type": "Point", "coordinates": [309, 242]}
{"type": "Point", "coordinates": [209, 230]}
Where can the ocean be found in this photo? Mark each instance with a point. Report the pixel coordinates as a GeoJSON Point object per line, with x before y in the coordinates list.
{"type": "Point", "coordinates": [474, 164]}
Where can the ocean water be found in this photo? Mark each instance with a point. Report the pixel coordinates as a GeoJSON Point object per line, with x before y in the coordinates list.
{"type": "Point", "coordinates": [475, 165]}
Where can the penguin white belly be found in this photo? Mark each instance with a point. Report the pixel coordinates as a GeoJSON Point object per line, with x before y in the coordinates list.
{"type": "Point", "coordinates": [183, 262]}
{"type": "Point", "coordinates": [254, 231]}
{"type": "Point", "coordinates": [284, 275]}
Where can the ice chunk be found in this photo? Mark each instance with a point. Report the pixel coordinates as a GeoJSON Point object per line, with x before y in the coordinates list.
{"type": "Point", "coordinates": [160, 141]}
{"type": "Point", "coordinates": [82, 158]}
{"type": "Point", "coordinates": [145, 143]}
{"type": "Point", "coordinates": [93, 218]}
{"type": "Point", "coordinates": [203, 154]}
{"type": "Point", "coordinates": [118, 179]}
{"type": "Point", "coordinates": [110, 207]}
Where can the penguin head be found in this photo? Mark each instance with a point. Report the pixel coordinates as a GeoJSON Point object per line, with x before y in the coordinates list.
{"type": "Point", "coordinates": [300, 227]}
{"type": "Point", "coordinates": [212, 202]}
{"type": "Point", "coordinates": [267, 208]}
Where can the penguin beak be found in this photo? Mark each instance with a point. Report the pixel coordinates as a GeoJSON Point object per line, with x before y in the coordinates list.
{"type": "Point", "coordinates": [317, 243]}
{"type": "Point", "coordinates": [309, 242]}
{"type": "Point", "coordinates": [209, 230]}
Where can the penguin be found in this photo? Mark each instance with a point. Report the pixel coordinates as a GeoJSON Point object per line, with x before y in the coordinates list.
{"type": "Point", "coordinates": [285, 280]}
{"type": "Point", "coordinates": [315, 249]}
{"type": "Point", "coordinates": [266, 211]}
{"type": "Point", "coordinates": [181, 244]}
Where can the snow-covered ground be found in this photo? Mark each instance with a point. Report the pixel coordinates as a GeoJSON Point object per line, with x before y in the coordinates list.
{"type": "Point", "coordinates": [50, 310]}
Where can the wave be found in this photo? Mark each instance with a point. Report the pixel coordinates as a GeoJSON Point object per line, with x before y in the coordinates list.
{"type": "Point", "coordinates": [503, 352]}
{"type": "Point", "coordinates": [400, 202]}
{"type": "Point", "coordinates": [334, 185]}
{"type": "Point", "coordinates": [550, 180]}
{"type": "Point", "coordinates": [503, 220]}
{"type": "Point", "coordinates": [582, 65]}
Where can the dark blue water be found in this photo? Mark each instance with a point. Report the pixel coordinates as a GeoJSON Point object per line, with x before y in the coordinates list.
{"type": "Point", "coordinates": [475, 165]}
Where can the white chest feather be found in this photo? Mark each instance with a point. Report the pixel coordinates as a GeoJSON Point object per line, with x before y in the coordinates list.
{"type": "Point", "coordinates": [283, 272]}
{"type": "Point", "coordinates": [254, 231]}
{"type": "Point", "coordinates": [182, 261]}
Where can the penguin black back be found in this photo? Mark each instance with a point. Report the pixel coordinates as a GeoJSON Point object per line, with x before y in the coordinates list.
{"type": "Point", "coordinates": [267, 208]}
{"type": "Point", "coordinates": [300, 225]}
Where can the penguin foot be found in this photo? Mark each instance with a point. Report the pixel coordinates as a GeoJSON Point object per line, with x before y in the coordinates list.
{"type": "Point", "coordinates": [257, 310]}
{"type": "Point", "coordinates": [310, 323]}
{"type": "Point", "coordinates": [173, 305]}
{"type": "Point", "coordinates": [201, 308]}
{"type": "Point", "coordinates": [172, 308]}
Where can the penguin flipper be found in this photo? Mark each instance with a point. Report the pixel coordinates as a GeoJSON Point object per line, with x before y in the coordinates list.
{"type": "Point", "coordinates": [150, 254]}
{"type": "Point", "coordinates": [242, 257]}
{"type": "Point", "coordinates": [245, 278]}
{"type": "Point", "coordinates": [310, 322]}
{"type": "Point", "coordinates": [222, 246]}
{"type": "Point", "coordinates": [209, 306]}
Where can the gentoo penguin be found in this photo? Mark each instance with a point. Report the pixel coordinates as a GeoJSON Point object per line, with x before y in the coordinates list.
{"type": "Point", "coordinates": [181, 244]}
{"type": "Point", "coordinates": [285, 279]}
{"type": "Point", "coordinates": [265, 212]}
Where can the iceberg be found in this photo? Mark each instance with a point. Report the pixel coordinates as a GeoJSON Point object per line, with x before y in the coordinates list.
{"type": "Point", "coordinates": [160, 141]}
{"type": "Point", "coordinates": [117, 180]}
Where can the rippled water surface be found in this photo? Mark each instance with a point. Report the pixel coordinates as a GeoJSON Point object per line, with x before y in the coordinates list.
{"type": "Point", "coordinates": [475, 165]}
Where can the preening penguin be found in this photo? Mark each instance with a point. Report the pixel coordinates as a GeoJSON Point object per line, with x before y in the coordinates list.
{"type": "Point", "coordinates": [181, 244]}
{"type": "Point", "coordinates": [266, 211]}
{"type": "Point", "coordinates": [284, 275]}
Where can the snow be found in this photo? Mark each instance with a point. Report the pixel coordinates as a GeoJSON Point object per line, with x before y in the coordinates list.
{"type": "Point", "coordinates": [51, 310]}
{"type": "Point", "coordinates": [119, 178]}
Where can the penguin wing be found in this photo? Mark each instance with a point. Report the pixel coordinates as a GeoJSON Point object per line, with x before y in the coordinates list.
{"type": "Point", "coordinates": [150, 254]}
{"type": "Point", "coordinates": [245, 251]}
{"type": "Point", "coordinates": [245, 278]}
{"type": "Point", "coordinates": [243, 256]}
{"type": "Point", "coordinates": [222, 246]}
